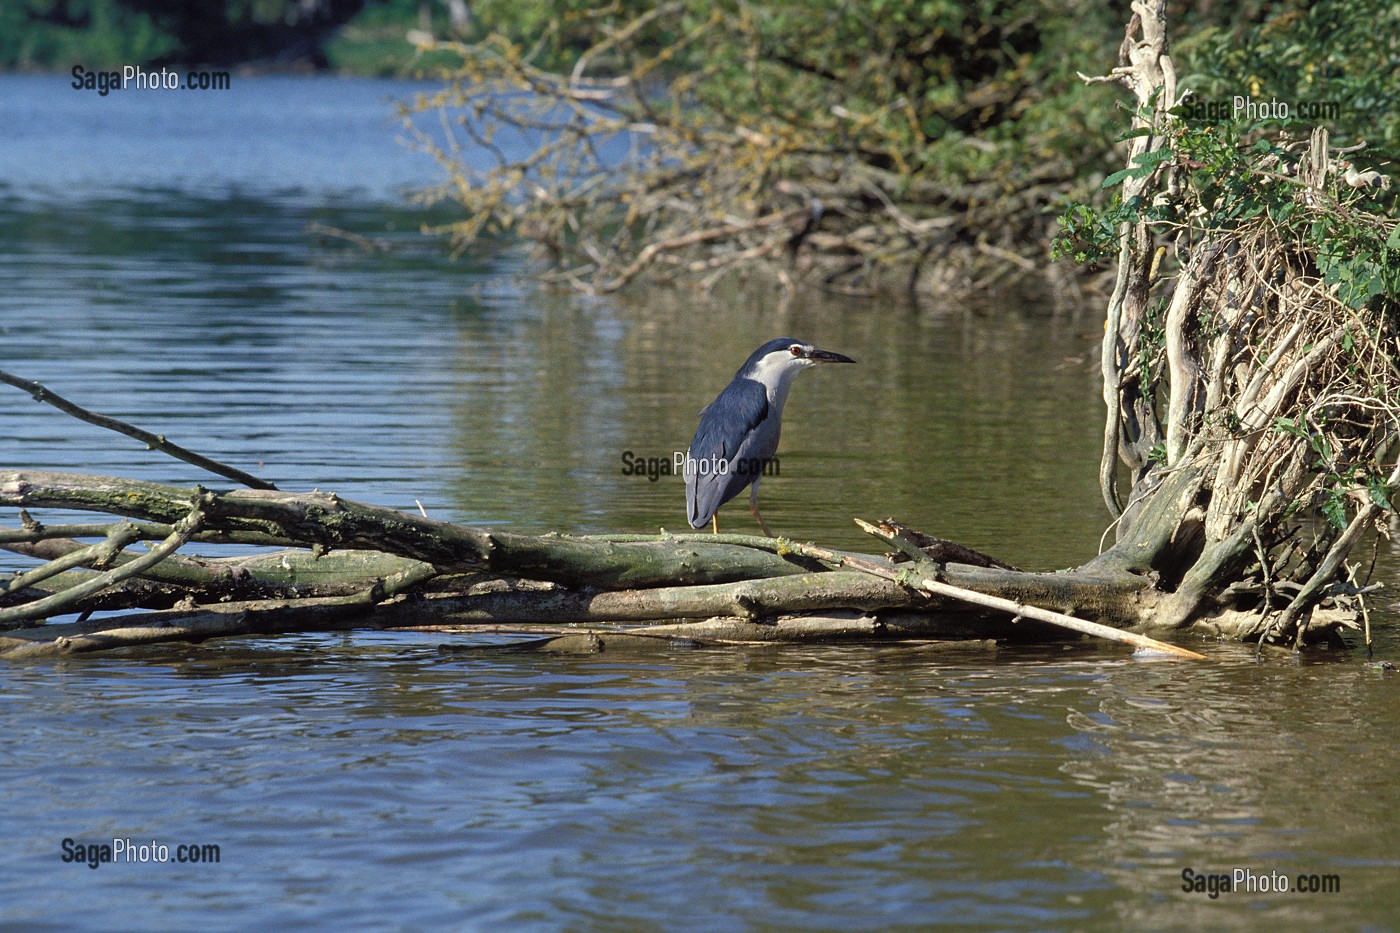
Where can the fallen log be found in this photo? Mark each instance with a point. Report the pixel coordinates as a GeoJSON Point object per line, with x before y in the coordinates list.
{"type": "Point", "coordinates": [324, 520]}
{"type": "Point", "coordinates": [359, 565]}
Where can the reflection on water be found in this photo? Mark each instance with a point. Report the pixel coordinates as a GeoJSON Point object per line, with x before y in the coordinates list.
{"type": "Point", "coordinates": [839, 788]}
{"type": "Point", "coordinates": [811, 787]}
{"type": "Point", "coordinates": [225, 325]}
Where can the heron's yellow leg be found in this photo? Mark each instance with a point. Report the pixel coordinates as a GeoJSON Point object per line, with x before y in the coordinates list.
{"type": "Point", "coordinates": [753, 507]}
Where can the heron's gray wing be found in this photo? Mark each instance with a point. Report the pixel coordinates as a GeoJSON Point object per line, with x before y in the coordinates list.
{"type": "Point", "coordinates": [729, 428]}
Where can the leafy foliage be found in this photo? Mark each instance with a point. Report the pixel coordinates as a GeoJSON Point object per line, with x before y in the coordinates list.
{"type": "Point", "coordinates": [1229, 183]}
{"type": "Point", "coordinates": [692, 136]}
{"type": "Point", "coordinates": [95, 33]}
{"type": "Point", "coordinates": [1307, 53]}
{"type": "Point", "coordinates": [1254, 331]}
{"type": "Point", "coordinates": [105, 34]}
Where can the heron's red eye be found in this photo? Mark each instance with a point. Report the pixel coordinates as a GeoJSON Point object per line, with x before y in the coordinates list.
{"type": "Point", "coordinates": [796, 349]}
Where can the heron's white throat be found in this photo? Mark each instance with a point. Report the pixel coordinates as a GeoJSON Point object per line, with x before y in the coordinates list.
{"type": "Point", "coordinates": [774, 372]}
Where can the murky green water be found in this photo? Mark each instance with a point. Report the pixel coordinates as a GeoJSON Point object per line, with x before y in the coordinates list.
{"type": "Point", "coordinates": [370, 780]}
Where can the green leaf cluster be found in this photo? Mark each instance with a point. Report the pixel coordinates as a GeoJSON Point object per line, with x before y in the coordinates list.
{"type": "Point", "coordinates": [98, 34]}
{"type": "Point", "coordinates": [1301, 53]}
{"type": "Point", "coordinates": [957, 91]}
{"type": "Point", "coordinates": [1231, 176]}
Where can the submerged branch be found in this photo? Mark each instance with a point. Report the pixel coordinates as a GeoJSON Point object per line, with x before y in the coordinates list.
{"type": "Point", "coordinates": [263, 617]}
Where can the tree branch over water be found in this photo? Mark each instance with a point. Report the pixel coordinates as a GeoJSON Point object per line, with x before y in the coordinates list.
{"type": "Point", "coordinates": [152, 441]}
{"type": "Point", "coordinates": [831, 144]}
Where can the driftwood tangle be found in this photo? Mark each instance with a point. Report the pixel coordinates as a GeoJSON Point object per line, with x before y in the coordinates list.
{"type": "Point", "coordinates": [1257, 424]}
{"type": "Point", "coordinates": [359, 565]}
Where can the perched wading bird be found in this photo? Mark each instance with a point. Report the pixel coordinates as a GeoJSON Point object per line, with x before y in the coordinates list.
{"type": "Point", "coordinates": [739, 430]}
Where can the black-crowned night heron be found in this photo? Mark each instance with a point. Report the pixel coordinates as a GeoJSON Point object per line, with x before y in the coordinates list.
{"type": "Point", "coordinates": [739, 430]}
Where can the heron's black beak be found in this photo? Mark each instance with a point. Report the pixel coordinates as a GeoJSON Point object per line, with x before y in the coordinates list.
{"type": "Point", "coordinates": [826, 356]}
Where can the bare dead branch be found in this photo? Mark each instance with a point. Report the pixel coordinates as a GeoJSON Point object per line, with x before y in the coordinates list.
{"type": "Point", "coordinates": [152, 441]}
